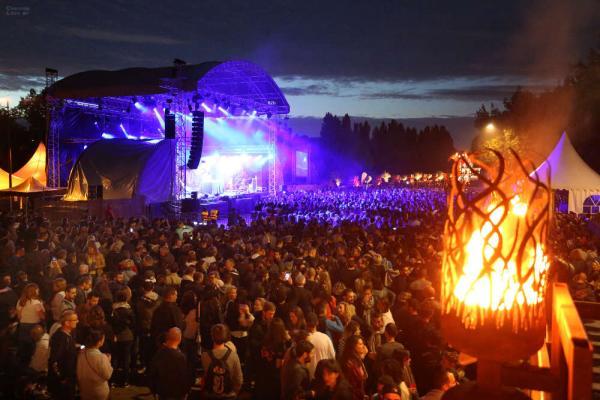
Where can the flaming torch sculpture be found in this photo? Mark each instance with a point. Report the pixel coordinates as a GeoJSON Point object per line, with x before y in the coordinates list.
{"type": "Point", "coordinates": [495, 266]}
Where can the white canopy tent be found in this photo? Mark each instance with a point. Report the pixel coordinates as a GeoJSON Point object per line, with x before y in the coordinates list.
{"type": "Point", "coordinates": [569, 172]}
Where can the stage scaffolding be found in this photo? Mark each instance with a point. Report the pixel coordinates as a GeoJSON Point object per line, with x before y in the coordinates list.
{"type": "Point", "coordinates": [273, 160]}
{"type": "Point", "coordinates": [177, 102]}
{"type": "Point", "coordinates": [239, 87]}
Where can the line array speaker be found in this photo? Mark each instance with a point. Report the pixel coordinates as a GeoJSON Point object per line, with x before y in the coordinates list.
{"type": "Point", "coordinates": [197, 139]}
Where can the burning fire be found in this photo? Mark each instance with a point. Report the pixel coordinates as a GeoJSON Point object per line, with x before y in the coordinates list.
{"type": "Point", "coordinates": [500, 289]}
{"type": "Point", "coordinates": [495, 264]}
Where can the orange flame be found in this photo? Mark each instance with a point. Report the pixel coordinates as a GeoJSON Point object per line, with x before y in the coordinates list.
{"type": "Point", "coordinates": [495, 264]}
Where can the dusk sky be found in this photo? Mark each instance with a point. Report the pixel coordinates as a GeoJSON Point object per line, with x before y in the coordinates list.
{"type": "Point", "coordinates": [376, 59]}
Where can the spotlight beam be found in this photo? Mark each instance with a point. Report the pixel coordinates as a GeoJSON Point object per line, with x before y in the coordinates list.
{"type": "Point", "coordinates": [160, 118]}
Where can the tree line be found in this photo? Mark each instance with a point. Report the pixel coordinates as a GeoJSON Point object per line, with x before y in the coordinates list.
{"type": "Point", "coordinates": [534, 121]}
{"type": "Point", "coordinates": [347, 149]}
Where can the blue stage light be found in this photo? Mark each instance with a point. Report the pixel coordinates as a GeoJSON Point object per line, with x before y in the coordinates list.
{"type": "Point", "coordinates": [160, 118]}
{"type": "Point", "coordinates": [107, 136]}
{"type": "Point", "coordinates": [206, 108]}
{"type": "Point", "coordinates": [224, 111]}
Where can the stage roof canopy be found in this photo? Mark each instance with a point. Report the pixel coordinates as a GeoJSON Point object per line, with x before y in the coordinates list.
{"type": "Point", "coordinates": [239, 82]}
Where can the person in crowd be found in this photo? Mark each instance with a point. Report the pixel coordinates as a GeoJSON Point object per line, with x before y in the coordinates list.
{"type": "Point", "coordinates": [30, 313]}
{"type": "Point", "coordinates": [353, 367]}
{"type": "Point", "coordinates": [63, 358]}
{"type": "Point", "coordinates": [329, 383]}
{"type": "Point", "coordinates": [94, 259]}
{"type": "Point", "coordinates": [59, 285]}
{"type": "Point", "coordinates": [392, 392]}
{"type": "Point", "coordinates": [322, 344]}
{"type": "Point", "coordinates": [257, 332]}
{"type": "Point", "coordinates": [329, 323]}
{"type": "Point", "coordinates": [144, 310]}
{"type": "Point", "coordinates": [296, 321]}
{"type": "Point", "coordinates": [240, 326]}
{"type": "Point", "coordinates": [123, 324]}
{"type": "Point", "coordinates": [210, 314]}
{"type": "Point", "coordinates": [68, 302]}
{"type": "Point", "coordinates": [167, 315]}
{"type": "Point", "coordinates": [41, 352]}
{"type": "Point", "coordinates": [8, 301]}
{"type": "Point", "coordinates": [389, 344]}
{"type": "Point", "coordinates": [93, 368]}
{"type": "Point", "coordinates": [295, 379]}
{"type": "Point", "coordinates": [168, 375]}
{"type": "Point", "coordinates": [84, 288]}
{"type": "Point", "coordinates": [190, 309]}
{"type": "Point", "coordinates": [96, 319]}
{"type": "Point", "coordinates": [442, 381]}
{"type": "Point", "coordinates": [83, 310]}
{"type": "Point", "coordinates": [270, 360]}
{"type": "Point", "coordinates": [351, 329]}
{"type": "Point", "coordinates": [300, 296]}
{"type": "Point", "coordinates": [223, 376]}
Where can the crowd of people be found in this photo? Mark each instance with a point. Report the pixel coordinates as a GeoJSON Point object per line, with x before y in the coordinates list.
{"type": "Point", "coordinates": [382, 207]}
{"type": "Point", "coordinates": [322, 295]}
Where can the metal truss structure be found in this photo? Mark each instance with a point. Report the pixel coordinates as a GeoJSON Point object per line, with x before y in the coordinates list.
{"type": "Point", "coordinates": [236, 88]}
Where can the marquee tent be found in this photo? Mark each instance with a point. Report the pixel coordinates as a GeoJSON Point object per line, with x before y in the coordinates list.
{"type": "Point", "coordinates": [4, 180]}
{"type": "Point", "coordinates": [31, 187]}
{"type": "Point", "coordinates": [123, 169]}
{"type": "Point", "coordinates": [569, 172]}
{"type": "Point", "coordinates": [35, 167]}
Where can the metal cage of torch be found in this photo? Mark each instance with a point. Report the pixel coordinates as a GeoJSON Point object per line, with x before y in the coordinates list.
{"type": "Point", "coordinates": [495, 266]}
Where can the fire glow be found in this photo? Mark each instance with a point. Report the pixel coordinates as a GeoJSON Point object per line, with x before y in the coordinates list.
{"type": "Point", "coordinates": [495, 264]}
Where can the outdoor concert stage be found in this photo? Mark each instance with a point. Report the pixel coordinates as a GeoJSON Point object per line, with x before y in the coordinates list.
{"type": "Point", "coordinates": [160, 135]}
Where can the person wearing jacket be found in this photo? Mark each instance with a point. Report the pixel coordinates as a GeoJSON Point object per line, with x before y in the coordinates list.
{"type": "Point", "coordinates": [329, 383]}
{"type": "Point", "coordinates": [93, 368]}
{"type": "Point", "coordinates": [294, 376]}
{"type": "Point", "coordinates": [353, 367]}
{"type": "Point", "coordinates": [168, 372]}
{"type": "Point", "coordinates": [144, 310]}
{"type": "Point", "coordinates": [63, 358]}
{"type": "Point", "coordinates": [123, 327]}
{"type": "Point", "coordinates": [167, 315]}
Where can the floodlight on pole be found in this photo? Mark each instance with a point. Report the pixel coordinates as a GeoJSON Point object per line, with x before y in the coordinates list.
{"type": "Point", "coordinates": [490, 128]}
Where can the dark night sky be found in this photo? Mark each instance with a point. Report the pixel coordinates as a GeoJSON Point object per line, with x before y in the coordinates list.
{"type": "Point", "coordinates": [378, 59]}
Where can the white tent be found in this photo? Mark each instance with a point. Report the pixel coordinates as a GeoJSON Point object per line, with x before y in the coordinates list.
{"type": "Point", "coordinates": [569, 172]}
{"type": "Point", "coordinates": [35, 167]}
